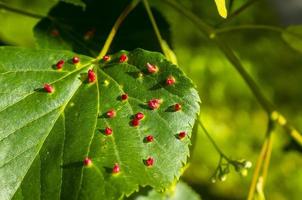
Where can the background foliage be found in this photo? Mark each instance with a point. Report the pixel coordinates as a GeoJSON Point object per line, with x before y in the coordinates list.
{"type": "Point", "coordinates": [230, 111]}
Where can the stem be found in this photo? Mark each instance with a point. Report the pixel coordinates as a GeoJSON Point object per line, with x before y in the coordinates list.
{"type": "Point", "coordinates": [212, 141]}
{"type": "Point", "coordinates": [267, 159]}
{"type": "Point", "coordinates": [116, 26]}
{"type": "Point", "coordinates": [21, 12]}
{"type": "Point", "coordinates": [263, 157]}
{"type": "Point", "coordinates": [228, 52]}
{"type": "Point", "coordinates": [154, 25]}
{"type": "Point", "coordinates": [248, 27]}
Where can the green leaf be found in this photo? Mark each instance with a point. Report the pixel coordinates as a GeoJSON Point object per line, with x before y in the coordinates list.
{"type": "Point", "coordinates": [221, 7]}
{"type": "Point", "coordinates": [293, 36]}
{"type": "Point", "coordinates": [181, 192]}
{"type": "Point", "coordinates": [44, 137]}
{"type": "Point", "coordinates": [85, 31]}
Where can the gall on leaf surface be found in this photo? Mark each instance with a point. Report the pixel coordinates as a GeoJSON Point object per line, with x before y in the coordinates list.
{"type": "Point", "coordinates": [44, 137]}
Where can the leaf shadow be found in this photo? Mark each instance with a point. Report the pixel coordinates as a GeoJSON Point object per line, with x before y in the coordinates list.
{"type": "Point", "coordinates": [158, 86]}
{"type": "Point", "coordinates": [73, 165]}
{"type": "Point", "coordinates": [170, 109]}
{"type": "Point", "coordinates": [41, 90]}
{"type": "Point", "coordinates": [136, 74]}
{"type": "Point", "coordinates": [144, 106]}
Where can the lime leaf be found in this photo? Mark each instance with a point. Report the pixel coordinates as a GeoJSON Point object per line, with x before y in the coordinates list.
{"type": "Point", "coordinates": [44, 137]}
{"type": "Point", "coordinates": [181, 191]}
{"type": "Point", "coordinates": [221, 7]}
{"type": "Point", "coordinates": [292, 35]}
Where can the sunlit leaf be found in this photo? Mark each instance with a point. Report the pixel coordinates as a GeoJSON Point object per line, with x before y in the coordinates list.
{"type": "Point", "coordinates": [44, 137]}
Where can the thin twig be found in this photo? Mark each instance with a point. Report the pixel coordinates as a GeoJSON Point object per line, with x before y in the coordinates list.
{"type": "Point", "coordinates": [154, 25]}
{"type": "Point", "coordinates": [116, 26]}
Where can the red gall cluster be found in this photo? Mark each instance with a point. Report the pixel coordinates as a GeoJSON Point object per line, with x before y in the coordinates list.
{"type": "Point", "coordinates": [124, 97]}
{"type": "Point", "coordinates": [137, 117]}
{"type": "Point", "coordinates": [152, 68]}
{"type": "Point", "coordinates": [170, 80]}
{"type": "Point", "coordinates": [91, 76]}
{"type": "Point", "coordinates": [111, 113]}
{"type": "Point", "coordinates": [154, 104]}
{"type": "Point", "coordinates": [135, 122]}
{"type": "Point", "coordinates": [123, 58]}
{"type": "Point", "coordinates": [181, 135]}
{"type": "Point", "coordinates": [149, 162]}
{"type": "Point", "coordinates": [60, 64]}
{"type": "Point", "coordinates": [48, 88]}
{"type": "Point", "coordinates": [177, 107]}
{"type": "Point", "coordinates": [87, 162]}
{"type": "Point", "coordinates": [106, 58]}
{"type": "Point", "coordinates": [108, 131]}
{"type": "Point", "coordinates": [75, 60]}
{"type": "Point", "coordinates": [116, 168]}
{"type": "Point", "coordinates": [149, 138]}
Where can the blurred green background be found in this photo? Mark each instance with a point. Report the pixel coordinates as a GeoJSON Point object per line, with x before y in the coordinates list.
{"type": "Point", "coordinates": [229, 110]}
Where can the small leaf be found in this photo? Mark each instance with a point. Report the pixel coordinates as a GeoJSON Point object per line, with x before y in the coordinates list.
{"type": "Point", "coordinates": [292, 35]}
{"type": "Point", "coordinates": [221, 7]}
{"type": "Point", "coordinates": [45, 136]}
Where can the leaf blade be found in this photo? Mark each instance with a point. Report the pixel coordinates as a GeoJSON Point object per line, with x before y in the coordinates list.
{"type": "Point", "coordinates": [81, 106]}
